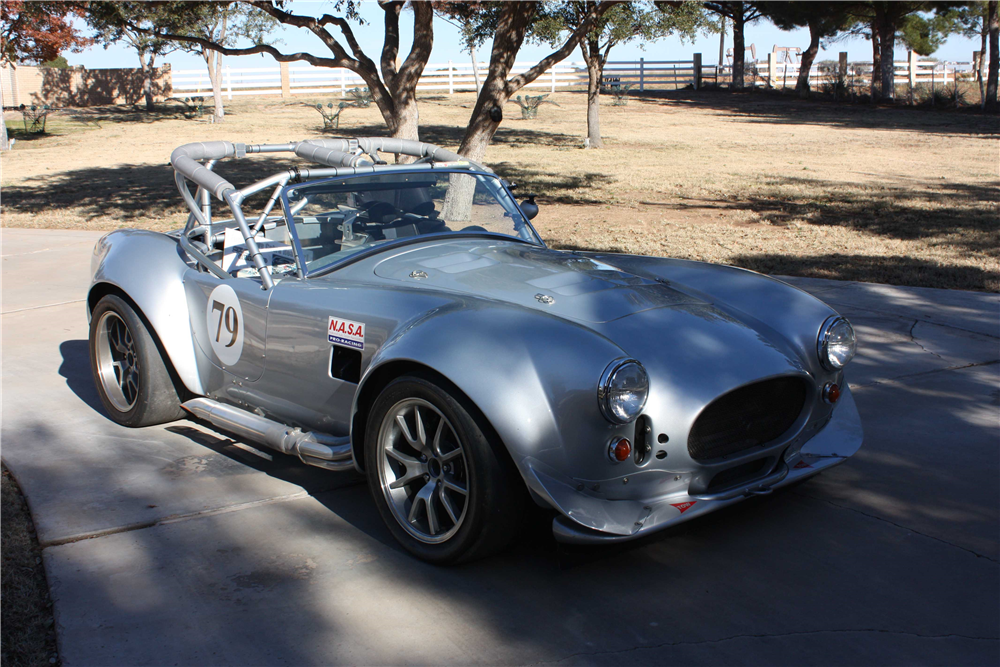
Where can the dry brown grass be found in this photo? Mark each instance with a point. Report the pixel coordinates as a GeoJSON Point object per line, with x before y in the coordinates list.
{"type": "Point", "coordinates": [27, 635]}
{"type": "Point", "coordinates": [903, 196]}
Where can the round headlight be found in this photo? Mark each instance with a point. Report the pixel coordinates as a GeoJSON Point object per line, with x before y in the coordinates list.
{"type": "Point", "coordinates": [837, 343]}
{"type": "Point", "coordinates": [623, 390]}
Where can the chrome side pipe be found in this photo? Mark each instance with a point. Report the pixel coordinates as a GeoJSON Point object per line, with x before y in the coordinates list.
{"type": "Point", "coordinates": [315, 449]}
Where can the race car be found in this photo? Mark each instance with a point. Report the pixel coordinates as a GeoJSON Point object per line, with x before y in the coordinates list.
{"type": "Point", "coordinates": [405, 320]}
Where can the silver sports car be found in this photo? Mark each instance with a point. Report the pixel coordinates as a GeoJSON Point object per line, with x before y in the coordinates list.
{"type": "Point", "coordinates": [406, 321]}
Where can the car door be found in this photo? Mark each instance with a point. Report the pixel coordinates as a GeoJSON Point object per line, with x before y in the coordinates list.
{"type": "Point", "coordinates": [229, 324]}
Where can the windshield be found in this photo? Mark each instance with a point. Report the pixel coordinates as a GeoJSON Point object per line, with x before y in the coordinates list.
{"type": "Point", "coordinates": [336, 218]}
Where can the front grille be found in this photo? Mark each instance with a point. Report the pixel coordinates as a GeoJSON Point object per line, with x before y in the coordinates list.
{"type": "Point", "coordinates": [747, 417]}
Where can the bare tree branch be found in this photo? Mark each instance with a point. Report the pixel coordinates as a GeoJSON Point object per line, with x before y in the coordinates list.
{"type": "Point", "coordinates": [520, 81]}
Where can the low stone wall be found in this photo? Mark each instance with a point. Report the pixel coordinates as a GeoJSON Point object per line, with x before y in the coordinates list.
{"type": "Point", "coordinates": [79, 86]}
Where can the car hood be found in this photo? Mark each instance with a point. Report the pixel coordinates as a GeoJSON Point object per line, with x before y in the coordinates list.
{"type": "Point", "coordinates": [563, 284]}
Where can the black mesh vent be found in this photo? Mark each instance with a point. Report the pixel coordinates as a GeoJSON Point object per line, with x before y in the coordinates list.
{"type": "Point", "coordinates": [738, 474]}
{"type": "Point", "coordinates": [747, 417]}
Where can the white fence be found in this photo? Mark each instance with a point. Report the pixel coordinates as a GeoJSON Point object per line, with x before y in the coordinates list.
{"type": "Point", "coordinates": [302, 79]}
{"type": "Point", "coordinates": [926, 72]}
{"type": "Point", "coordinates": [447, 77]}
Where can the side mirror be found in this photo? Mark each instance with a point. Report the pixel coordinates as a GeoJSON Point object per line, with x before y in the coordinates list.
{"type": "Point", "coordinates": [529, 207]}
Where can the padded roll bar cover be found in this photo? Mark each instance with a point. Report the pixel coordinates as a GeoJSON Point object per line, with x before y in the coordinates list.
{"type": "Point", "coordinates": [416, 149]}
{"type": "Point", "coordinates": [186, 160]}
{"type": "Point", "coordinates": [331, 157]}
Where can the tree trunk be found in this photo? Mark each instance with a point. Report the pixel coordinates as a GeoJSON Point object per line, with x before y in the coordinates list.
{"type": "Point", "coordinates": [4, 143]}
{"type": "Point", "coordinates": [475, 66]}
{"type": "Point", "coordinates": [981, 72]}
{"type": "Point", "coordinates": [806, 62]}
{"type": "Point", "coordinates": [213, 60]}
{"type": "Point", "coordinates": [876, 87]}
{"type": "Point", "coordinates": [147, 81]}
{"type": "Point", "coordinates": [722, 50]}
{"type": "Point", "coordinates": [595, 69]}
{"type": "Point", "coordinates": [406, 120]}
{"type": "Point", "coordinates": [991, 79]}
{"type": "Point", "coordinates": [887, 43]}
{"type": "Point", "coordinates": [739, 47]}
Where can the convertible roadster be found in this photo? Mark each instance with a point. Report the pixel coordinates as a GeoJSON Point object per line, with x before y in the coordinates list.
{"type": "Point", "coordinates": [406, 321]}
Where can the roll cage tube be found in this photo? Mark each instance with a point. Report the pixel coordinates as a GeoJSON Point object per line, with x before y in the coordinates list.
{"type": "Point", "coordinates": [522, 226]}
{"type": "Point", "coordinates": [340, 157]}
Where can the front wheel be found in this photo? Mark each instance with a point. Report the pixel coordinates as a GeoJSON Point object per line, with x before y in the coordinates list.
{"type": "Point", "coordinates": [131, 376]}
{"type": "Point", "coordinates": [442, 483]}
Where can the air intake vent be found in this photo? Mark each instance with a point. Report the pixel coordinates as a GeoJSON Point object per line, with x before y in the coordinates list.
{"type": "Point", "coordinates": [748, 417]}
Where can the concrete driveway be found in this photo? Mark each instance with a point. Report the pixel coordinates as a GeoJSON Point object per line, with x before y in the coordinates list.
{"type": "Point", "coordinates": [176, 545]}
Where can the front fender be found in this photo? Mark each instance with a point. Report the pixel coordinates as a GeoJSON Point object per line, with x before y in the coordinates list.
{"type": "Point", "coordinates": [149, 268]}
{"type": "Point", "coordinates": [534, 377]}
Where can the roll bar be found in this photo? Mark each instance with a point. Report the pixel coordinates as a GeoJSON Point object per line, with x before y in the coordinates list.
{"type": "Point", "coordinates": [195, 163]}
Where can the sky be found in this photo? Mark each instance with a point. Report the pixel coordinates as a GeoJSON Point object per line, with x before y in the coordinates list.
{"type": "Point", "coordinates": [447, 45]}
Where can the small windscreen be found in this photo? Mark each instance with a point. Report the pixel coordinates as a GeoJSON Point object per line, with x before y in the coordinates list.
{"type": "Point", "coordinates": [335, 218]}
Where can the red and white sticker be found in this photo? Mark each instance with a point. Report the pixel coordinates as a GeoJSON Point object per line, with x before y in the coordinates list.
{"type": "Point", "coordinates": [346, 333]}
{"type": "Point", "coordinates": [684, 507]}
{"type": "Point", "coordinates": [802, 464]}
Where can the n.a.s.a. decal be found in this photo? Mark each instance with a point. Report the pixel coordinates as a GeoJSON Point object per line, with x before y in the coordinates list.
{"type": "Point", "coordinates": [346, 333]}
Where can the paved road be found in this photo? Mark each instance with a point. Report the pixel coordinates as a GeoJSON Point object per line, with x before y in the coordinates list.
{"type": "Point", "coordinates": [175, 545]}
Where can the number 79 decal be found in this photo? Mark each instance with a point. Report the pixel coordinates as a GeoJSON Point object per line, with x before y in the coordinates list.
{"type": "Point", "coordinates": [224, 320]}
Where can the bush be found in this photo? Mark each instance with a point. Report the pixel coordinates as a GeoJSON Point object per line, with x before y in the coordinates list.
{"type": "Point", "coordinates": [529, 105]}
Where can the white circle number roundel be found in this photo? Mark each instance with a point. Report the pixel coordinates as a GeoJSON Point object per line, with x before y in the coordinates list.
{"type": "Point", "coordinates": [224, 318]}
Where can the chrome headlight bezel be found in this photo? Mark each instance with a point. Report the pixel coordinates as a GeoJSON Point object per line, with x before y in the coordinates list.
{"type": "Point", "coordinates": [823, 343]}
{"type": "Point", "coordinates": [606, 393]}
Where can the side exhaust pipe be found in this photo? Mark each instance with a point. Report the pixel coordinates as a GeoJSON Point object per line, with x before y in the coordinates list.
{"type": "Point", "coordinates": [315, 449]}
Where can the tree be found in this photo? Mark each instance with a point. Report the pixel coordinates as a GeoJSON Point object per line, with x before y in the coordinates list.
{"type": "Point", "coordinates": [629, 21]}
{"type": "Point", "coordinates": [225, 23]}
{"type": "Point", "coordinates": [133, 24]}
{"type": "Point", "coordinates": [991, 81]}
{"type": "Point", "coordinates": [741, 14]}
{"type": "Point", "coordinates": [35, 32]}
{"type": "Point", "coordinates": [508, 23]}
{"type": "Point", "coordinates": [824, 20]}
{"type": "Point", "coordinates": [393, 91]}
{"type": "Point", "coordinates": [886, 19]}
{"type": "Point", "coordinates": [971, 21]}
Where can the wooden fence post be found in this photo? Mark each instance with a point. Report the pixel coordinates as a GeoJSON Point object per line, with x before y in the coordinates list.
{"type": "Point", "coordinates": [696, 64]}
{"type": "Point", "coordinates": [772, 69]}
{"type": "Point", "coordinates": [553, 72]}
{"type": "Point", "coordinates": [642, 74]}
{"type": "Point", "coordinates": [343, 81]}
{"type": "Point", "coordinates": [286, 84]}
{"type": "Point", "coordinates": [911, 70]}
{"type": "Point", "coordinates": [229, 83]}
{"type": "Point", "coordinates": [451, 79]}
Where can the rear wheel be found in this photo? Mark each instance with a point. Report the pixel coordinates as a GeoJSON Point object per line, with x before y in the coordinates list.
{"type": "Point", "coordinates": [442, 482]}
{"type": "Point", "coordinates": [131, 376]}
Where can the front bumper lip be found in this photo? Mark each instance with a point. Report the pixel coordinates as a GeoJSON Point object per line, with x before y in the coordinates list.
{"type": "Point", "coordinates": [629, 519]}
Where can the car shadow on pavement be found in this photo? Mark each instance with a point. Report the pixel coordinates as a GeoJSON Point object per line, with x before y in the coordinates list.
{"type": "Point", "coordinates": [75, 368]}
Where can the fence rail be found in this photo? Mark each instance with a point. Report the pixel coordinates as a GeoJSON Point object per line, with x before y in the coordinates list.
{"type": "Point", "coordinates": [642, 75]}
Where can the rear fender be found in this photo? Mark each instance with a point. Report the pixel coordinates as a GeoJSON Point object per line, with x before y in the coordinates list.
{"type": "Point", "coordinates": [149, 268]}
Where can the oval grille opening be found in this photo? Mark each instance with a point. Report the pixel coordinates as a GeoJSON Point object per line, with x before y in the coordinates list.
{"type": "Point", "coordinates": [747, 417]}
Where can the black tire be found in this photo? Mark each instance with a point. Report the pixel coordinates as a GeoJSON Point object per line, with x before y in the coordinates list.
{"type": "Point", "coordinates": [149, 396]}
{"type": "Point", "coordinates": [495, 492]}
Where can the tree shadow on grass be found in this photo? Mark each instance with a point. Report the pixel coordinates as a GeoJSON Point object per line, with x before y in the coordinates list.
{"type": "Point", "coordinates": [764, 107]}
{"type": "Point", "coordinates": [124, 191]}
{"type": "Point", "coordinates": [908, 271]}
{"type": "Point", "coordinates": [450, 136]}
